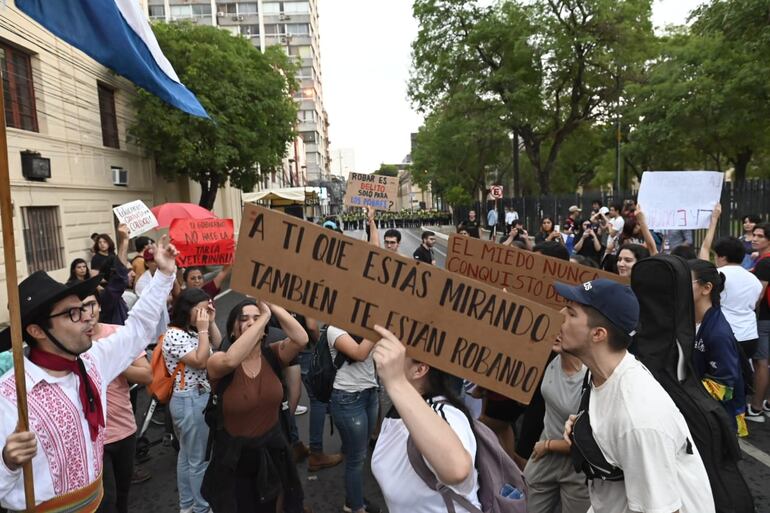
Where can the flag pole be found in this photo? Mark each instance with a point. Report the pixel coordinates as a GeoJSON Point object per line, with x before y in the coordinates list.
{"type": "Point", "coordinates": [11, 281]}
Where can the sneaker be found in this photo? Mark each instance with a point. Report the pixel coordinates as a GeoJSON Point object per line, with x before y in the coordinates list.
{"type": "Point", "coordinates": [754, 416]}
{"type": "Point", "coordinates": [140, 475]}
{"type": "Point", "coordinates": [368, 507]}
{"type": "Point", "coordinates": [301, 410]}
{"type": "Point", "coordinates": [319, 460]}
{"type": "Point", "coordinates": [766, 407]}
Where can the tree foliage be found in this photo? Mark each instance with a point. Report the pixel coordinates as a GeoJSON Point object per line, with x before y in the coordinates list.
{"type": "Point", "coordinates": [248, 95]}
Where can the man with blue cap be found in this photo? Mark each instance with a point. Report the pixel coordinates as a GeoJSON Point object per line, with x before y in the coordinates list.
{"type": "Point", "coordinates": [628, 436]}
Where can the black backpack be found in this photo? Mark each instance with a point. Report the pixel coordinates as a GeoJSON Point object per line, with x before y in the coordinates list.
{"type": "Point", "coordinates": [663, 286]}
{"type": "Point", "coordinates": [323, 370]}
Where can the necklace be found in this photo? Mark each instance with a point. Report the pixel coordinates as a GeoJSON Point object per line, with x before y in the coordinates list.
{"type": "Point", "coordinates": [252, 367]}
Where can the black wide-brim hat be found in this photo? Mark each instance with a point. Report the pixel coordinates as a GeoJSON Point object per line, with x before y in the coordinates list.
{"type": "Point", "coordinates": [37, 294]}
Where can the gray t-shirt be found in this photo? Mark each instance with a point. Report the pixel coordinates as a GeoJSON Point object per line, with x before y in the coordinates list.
{"type": "Point", "coordinates": [562, 398]}
{"type": "Point", "coordinates": [352, 376]}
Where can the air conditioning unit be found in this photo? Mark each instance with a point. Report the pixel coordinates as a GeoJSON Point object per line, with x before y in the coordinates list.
{"type": "Point", "coordinates": [119, 176]}
{"type": "Point", "coordinates": [284, 17]}
{"type": "Point", "coordinates": [284, 40]}
{"type": "Point", "coordinates": [220, 14]}
{"type": "Point", "coordinates": [238, 18]}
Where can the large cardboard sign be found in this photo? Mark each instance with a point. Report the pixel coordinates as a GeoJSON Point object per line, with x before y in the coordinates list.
{"type": "Point", "coordinates": [136, 216]}
{"type": "Point", "coordinates": [376, 191]}
{"type": "Point", "coordinates": [495, 339]}
{"type": "Point", "coordinates": [524, 273]}
{"type": "Point", "coordinates": [679, 200]}
{"type": "Point", "coordinates": [203, 242]}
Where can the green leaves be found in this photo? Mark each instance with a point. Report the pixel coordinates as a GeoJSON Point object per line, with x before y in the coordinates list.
{"type": "Point", "coordinates": [247, 94]}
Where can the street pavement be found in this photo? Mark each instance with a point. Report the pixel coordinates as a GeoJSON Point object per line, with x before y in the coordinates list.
{"type": "Point", "coordinates": [324, 490]}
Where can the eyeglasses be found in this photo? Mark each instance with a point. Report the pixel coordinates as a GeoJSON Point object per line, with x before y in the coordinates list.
{"type": "Point", "coordinates": [76, 313]}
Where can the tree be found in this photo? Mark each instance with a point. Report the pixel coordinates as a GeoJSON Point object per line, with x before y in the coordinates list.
{"type": "Point", "coordinates": [387, 170]}
{"type": "Point", "coordinates": [248, 95]}
{"type": "Point", "coordinates": [459, 147]}
{"type": "Point", "coordinates": [552, 66]}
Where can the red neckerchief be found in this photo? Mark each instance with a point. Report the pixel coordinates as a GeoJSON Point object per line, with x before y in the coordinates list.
{"type": "Point", "coordinates": [89, 393]}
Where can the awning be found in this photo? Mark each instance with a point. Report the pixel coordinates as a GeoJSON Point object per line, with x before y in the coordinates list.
{"type": "Point", "coordinates": [286, 196]}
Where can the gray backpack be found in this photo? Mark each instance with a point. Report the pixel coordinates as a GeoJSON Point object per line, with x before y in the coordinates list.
{"type": "Point", "coordinates": [496, 470]}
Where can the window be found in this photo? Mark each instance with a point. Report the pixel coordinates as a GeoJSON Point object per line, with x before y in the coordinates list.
{"type": "Point", "coordinates": [247, 8]}
{"type": "Point", "coordinates": [296, 7]}
{"type": "Point", "coordinates": [181, 11]}
{"type": "Point", "coordinates": [107, 114]}
{"type": "Point", "coordinates": [309, 137]}
{"type": "Point", "coordinates": [42, 238]}
{"type": "Point", "coordinates": [20, 109]}
{"type": "Point", "coordinates": [305, 72]}
{"type": "Point", "coordinates": [228, 8]}
{"type": "Point", "coordinates": [249, 30]}
{"type": "Point", "coordinates": [305, 51]}
{"type": "Point", "coordinates": [201, 9]}
{"type": "Point", "coordinates": [157, 11]}
{"type": "Point", "coordinates": [307, 116]}
{"type": "Point", "coordinates": [271, 8]}
{"type": "Point", "coordinates": [298, 29]}
{"type": "Point", "coordinates": [273, 29]}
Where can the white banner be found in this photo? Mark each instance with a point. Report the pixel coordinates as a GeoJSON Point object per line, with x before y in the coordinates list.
{"type": "Point", "coordinates": [679, 200]}
{"type": "Point", "coordinates": [136, 216]}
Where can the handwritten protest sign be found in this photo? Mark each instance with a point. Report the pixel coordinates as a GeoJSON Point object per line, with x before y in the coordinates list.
{"type": "Point", "coordinates": [527, 274]}
{"type": "Point", "coordinates": [377, 191]}
{"type": "Point", "coordinates": [136, 216]}
{"type": "Point", "coordinates": [679, 200]}
{"type": "Point", "coordinates": [203, 241]}
{"type": "Point", "coordinates": [498, 340]}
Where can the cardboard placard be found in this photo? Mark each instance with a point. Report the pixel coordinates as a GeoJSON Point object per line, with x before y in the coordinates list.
{"type": "Point", "coordinates": [377, 191]}
{"type": "Point", "coordinates": [470, 329]}
{"type": "Point", "coordinates": [527, 274]}
{"type": "Point", "coordinates": [203, 242]}
{"type": "Point", "coordinates": [136, 216]}
{"type": "Point", "coordinates": [679, 200]}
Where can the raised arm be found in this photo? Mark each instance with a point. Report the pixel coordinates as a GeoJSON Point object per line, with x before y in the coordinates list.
{"type": "Point", "coordinates": [433, 436]}
{"type": "Point", "coordinates": [123, 244]}
{"type": "Point", "coordinates": [223, 363]}
{"type": "Point", "coordinates": [297, 337]}
{"type": "Point", "coordinates": [649, 241]}
{"type": "Point", "coordinates": [708, 240]}
{"type": "Point", "coordinates": [374, 235]}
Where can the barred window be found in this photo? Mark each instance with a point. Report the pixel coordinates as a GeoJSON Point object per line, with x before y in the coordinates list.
{"type": "Point", "coordinates": [108, 116]}
{"type": "Point", "coordinates": [19, 94]}
{"type": "Point", "coordinates": [42, 238]}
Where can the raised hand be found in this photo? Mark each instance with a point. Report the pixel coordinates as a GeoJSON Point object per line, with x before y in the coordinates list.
{"type": "Point", "coordinates": [165, 256]}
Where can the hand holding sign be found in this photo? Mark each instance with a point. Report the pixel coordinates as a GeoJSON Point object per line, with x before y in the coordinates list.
{"type": "Point", "coordinates": [389, 355]}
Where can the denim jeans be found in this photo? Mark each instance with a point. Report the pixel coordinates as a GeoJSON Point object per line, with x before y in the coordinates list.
{"type": "Point", "coordinates": [318, 410]}
{"type": "Point", "coordinates": [186, 407]}
{"type": "Point", "coordinates": [355, 415]}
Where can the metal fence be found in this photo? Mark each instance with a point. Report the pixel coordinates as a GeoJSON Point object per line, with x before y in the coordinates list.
{"type": "Point", "coordinates": [751, 197]}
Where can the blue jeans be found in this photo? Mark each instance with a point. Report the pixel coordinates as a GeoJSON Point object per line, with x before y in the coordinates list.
{"type": "Point", "coordinates": [186, 407]}
{"type": "Point", "coordinates": [318, 410]}
{"type": "Point", "coordinates": [355, 415]}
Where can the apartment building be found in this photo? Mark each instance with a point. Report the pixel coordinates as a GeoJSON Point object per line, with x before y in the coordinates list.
{"type": "Point", "coordinates": [291, 24]}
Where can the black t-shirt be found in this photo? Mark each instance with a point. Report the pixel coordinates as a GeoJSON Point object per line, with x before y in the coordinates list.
{"type": "Point", "coordinates": [589, 251]}
{"type": "Point", "coordinates": [472, 227]}
{"type": "Point", "coordinates": [762, 272]}
{"type": "Point", "coordinates": [423, 254]}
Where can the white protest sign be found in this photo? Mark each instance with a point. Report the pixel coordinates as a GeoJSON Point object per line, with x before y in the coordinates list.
{"type": "Point", "coordinates": [136, 216]}
{"type": "Point", "coordinates": [679, 200]}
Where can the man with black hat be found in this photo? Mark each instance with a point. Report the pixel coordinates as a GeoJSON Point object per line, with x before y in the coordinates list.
{"type": "Point", "coordinates": [628, 436]}
{"type": "Point", "coordinates": [67, 377]}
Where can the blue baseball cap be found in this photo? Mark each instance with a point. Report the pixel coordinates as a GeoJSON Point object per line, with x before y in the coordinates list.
{"type": "Point", "coordinates": [615, 301]}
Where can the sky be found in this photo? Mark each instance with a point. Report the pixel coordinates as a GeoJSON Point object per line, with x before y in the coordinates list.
{"type": "Point", "coordinates": [365, 62]}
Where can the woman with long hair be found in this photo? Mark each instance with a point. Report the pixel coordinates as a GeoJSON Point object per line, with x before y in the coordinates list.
{"type": "Point", "coordinates": [104, 247]}
{"type": "Point", "coordinates": [427, 410]}
{"type": "Point", "coordinates": [187, 343]}
{"type": "Point", "coordinates": [716, 358]}
{"type": "Point", "coordinates": [252, 466]}
{"type": "Point", "coordinates": [547, 231]}
{"type": "Point", "coordinates": [78, 271]}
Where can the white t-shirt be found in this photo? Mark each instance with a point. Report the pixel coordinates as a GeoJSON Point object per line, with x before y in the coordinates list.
{"type": "Point", "coordinates": [640, 430]}
{"type": "Point", "coordinates": [739, 299]}
{"type": "Point", "coordinates": [402, 488]}
{"type": "Point", "coordinates": [352, 376]}
{"type": "Point", "coordinates": [617, 224]}
{"type": "Point", "coordinates": [511, 216]}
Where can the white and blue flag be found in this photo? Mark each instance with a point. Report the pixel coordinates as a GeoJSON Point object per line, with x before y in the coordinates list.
{"type": "Point", "coordinates": [118, 35]}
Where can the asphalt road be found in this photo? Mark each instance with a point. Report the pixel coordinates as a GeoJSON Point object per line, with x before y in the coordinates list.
{"type": "Point", "coordinates": [324, 490]}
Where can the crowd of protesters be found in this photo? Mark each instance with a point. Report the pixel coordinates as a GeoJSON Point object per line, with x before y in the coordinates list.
{"type": "Point", "coordinates": [234, 394]}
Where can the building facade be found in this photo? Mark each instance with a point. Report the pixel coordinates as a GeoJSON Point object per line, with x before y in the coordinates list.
{"type": "Point", "coordinates": [70, 158]}
{"type": "Point", "coordinates": [291, 24]}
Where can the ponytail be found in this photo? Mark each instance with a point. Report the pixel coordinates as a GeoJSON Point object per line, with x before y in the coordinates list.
{"type": "Point", "coordinates": [706, 272]}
